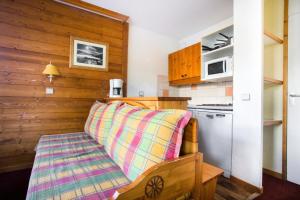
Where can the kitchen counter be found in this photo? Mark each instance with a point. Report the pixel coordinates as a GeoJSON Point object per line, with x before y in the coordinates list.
{"type": "Point", "coordinates": [152, 98]}
{"type": "Point", "coordinates": [158, 102]}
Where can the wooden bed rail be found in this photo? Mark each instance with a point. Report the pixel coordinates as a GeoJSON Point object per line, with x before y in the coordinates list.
{"type": "Point", "coordinates": [190, 138]}
{"type": "Point", "coordinates": [167, 180]}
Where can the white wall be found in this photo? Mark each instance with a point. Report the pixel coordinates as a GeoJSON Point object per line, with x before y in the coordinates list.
{"type": "Point", "coordinates": [147, 58]}
{"type": "Point", "coordinates": [248, 79]}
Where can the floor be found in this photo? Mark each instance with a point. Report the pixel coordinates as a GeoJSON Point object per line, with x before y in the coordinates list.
{"type": "Point", "coordinates": [14, 185]}
{"type": "Point", "coordinates": [279, 190]}
{"type": "Point", "coordinates": [231, 191]}
{"type": "Point", "coordinates": [274, 189]}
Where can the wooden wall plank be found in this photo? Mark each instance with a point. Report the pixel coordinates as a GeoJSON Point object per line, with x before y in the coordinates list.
{"type": "Point", "coordinates": [39, 91]}
{"type": "Point", "coordinates": [32, 9]}
{"type": "Point", "coordinates": [73, 13]}
{"type": "Point", "coordinates": [13, 63]}
{"type": "Point", "coordinates": [34, 33]}
{"type": "Point", "coordinates": [96, 9]}
{"type": "Point", "coordinates": [34, 46]}
{"type": "Point", "coordinates": [39, 79]}
{"type": "Point", "coordinates": [125, 56]}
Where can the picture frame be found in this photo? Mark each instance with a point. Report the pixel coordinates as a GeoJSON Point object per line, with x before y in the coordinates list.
{"type": "Point", "coordinates": [88, 54]}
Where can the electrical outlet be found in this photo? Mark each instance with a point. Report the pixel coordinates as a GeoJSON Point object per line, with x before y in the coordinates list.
{"type": "Point", "coordinates": [49, 90]}
{"type": "Point", "coordinates": [141, 93]}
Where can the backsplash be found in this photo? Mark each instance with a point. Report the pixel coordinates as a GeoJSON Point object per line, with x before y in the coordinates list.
{"type": "Point", "coordinates": [208, 93]}
{"type": "Point", "coordinates": [164, 89]}
{"type": "Point", "coordinates": [204, 93]}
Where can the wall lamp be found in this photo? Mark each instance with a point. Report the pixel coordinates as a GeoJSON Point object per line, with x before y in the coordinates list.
{"type": "Point", "coordinates": [51, 71]}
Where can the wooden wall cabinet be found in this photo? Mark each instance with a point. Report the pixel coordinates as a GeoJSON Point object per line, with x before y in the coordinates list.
{"type": "Point", "coordinates": [185, 66]}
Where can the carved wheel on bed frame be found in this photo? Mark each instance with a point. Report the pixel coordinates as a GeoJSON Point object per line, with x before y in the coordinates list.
{"type": "Point", "coordinates": [154, 187]}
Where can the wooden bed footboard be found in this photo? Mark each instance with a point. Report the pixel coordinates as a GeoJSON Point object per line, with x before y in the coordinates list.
{"type": "Point", "coordinates": [167, 180]}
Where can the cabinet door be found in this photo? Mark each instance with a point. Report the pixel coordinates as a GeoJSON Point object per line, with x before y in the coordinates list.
{"type": "Point", "coordinates": [195, 60]}
{"type": "Point", "coordinates": [185, 63]}
{"type": "Point", "coordinates": [215, 139]}
{"type": "Point", "coordinates": [171, 67]}
{"type": "Point", "coordinates": [175, 60]}
{"type": "Point", "coordinates": [188, 69]}
{"type": "Point", "coordinates": [182, 64]}
{"type": "Point", "coordinates": [174, 68]}
{"type": "Point", "coordinates": [191, 62]}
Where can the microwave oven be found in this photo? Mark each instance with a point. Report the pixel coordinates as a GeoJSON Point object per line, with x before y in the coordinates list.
{"type": "Point", "coordinates": [218, 68]}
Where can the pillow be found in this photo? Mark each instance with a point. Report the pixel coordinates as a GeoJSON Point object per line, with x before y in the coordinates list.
{"type": "Point", "coordinates": [140, 138]}
{"type": "Point", "coordinates": [99, 121]}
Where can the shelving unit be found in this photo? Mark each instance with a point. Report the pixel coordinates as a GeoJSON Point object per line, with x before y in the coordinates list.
{"type": "Point", "coordinates": [226, 51]}
{"type": "Point", "coordinates": [275, 81]}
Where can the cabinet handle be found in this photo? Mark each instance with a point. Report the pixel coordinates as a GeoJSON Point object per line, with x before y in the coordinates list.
{"type": "Point", "coordinates": [209, 116]}
{"type": "Point", "coordinates": [220, 115]}
{"type": "Point", "coordinates": [294, 95]}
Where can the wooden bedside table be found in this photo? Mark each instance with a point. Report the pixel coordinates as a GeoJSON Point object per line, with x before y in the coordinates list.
{"type": "Point", "coordinates": [209, 180]}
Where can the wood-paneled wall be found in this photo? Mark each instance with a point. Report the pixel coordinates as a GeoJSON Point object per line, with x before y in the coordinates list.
{"type": "Point", "coordinates": [31, 34]}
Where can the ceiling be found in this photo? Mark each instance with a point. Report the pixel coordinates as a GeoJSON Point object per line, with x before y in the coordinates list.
{"type": "Point", "coordinates": [174, 18]}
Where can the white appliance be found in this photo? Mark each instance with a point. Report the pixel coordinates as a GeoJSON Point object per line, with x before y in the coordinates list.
{"type": "Point", "coordinates": [220, 68]}
{"type": "Point", "coordinates": [215, 134]}
{"type": "Point", "coordinates": [116, 88]}
{"type": "Point", "coordinates": [293, 126]}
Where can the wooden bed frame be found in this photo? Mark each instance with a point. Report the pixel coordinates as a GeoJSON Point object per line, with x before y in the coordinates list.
{"type": "Point", "coordinates": [170, 179]}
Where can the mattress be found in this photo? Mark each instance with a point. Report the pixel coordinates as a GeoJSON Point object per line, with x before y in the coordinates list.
{"type": "Point", "coordinates": [73, 166]}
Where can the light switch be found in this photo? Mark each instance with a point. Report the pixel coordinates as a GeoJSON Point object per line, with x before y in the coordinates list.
{"type": "Point", "coordinates": [49, 90]}
{"type": "Point", "coordinates": [245, 97]}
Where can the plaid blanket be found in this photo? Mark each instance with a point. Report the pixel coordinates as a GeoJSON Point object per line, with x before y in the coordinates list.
{"type": "Point", "coordinates": [73, 166]}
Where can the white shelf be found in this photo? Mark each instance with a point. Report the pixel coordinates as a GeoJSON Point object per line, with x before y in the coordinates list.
{"type": "Point", "coordinates": [218, 50]}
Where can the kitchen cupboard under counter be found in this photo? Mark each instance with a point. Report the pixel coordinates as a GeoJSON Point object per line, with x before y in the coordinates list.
{"type": "Point", "coordinates": [215, 134]}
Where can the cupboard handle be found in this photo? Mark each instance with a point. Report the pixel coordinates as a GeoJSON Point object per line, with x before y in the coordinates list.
{"type": "Point", "coordinates": [294, 95]}
{"type": "Point", "coordinates": [209, 116]}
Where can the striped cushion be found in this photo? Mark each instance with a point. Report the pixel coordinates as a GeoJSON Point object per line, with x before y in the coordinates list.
{"type": "Point", "coordinates": [99, 120]}
{"type": "Point", "coordinates": [140, 138]}
{"type": "Point", "coordinates": [73, 166]}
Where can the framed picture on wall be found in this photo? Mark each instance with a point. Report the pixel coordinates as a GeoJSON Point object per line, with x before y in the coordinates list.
{"type": "Point", "coordinates": [88, 54]}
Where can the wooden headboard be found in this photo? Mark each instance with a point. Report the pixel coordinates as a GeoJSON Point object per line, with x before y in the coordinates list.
{"type": "Point", "coordinates": [190, 135]}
